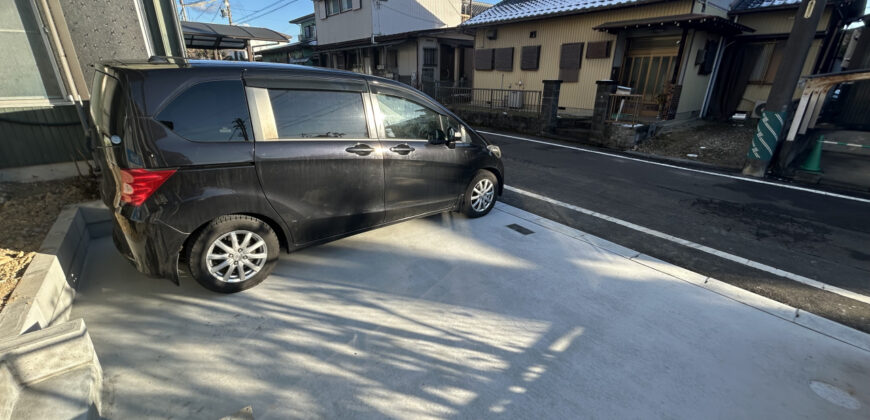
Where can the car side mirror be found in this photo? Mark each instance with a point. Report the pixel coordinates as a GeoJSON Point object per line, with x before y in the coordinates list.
{"type": "Point", "coordinates": [437, 137]}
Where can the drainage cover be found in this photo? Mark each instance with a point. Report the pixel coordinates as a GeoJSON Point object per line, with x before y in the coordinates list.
{"type": "Point", "coordinates": [835, 395]}
{"type": "Point", "coordinates": [520, 229]}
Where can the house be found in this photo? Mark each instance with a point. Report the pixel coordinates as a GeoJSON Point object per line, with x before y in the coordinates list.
{"type": "Point", "coordinates": [751, 60]}
{"type": "Point", "coordinates": [663, 50]}
{"type": "Point", "coordinates": [49, 47]}
{"type": "Point", "coordinates": [414, 41]}
{"type": "Point", "coordinates": [301, 52]}
{"type": "Point", "coordinates": [667, 51]}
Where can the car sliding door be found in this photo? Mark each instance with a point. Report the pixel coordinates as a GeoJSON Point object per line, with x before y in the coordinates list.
{"type": "Point", "coordinates": [318, 160]}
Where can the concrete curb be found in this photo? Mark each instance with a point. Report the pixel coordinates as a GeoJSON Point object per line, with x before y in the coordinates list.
{"type": "Point", "coordinates": [45, 293]}
{"type": "Point", "coordinates": [48, 366]}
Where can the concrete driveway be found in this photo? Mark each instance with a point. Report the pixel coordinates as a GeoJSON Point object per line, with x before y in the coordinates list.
{"type": "Point", "coordinates": [448, 317]}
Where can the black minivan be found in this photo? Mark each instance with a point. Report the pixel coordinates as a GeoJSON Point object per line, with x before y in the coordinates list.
{"type": "Point", "coordinates": [219, 165]}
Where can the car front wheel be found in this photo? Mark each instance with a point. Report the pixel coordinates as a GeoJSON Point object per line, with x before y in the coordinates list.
{"type": "Point", "coordinates": [480, 195]}
{"type": "Point", "coordinates": [233, 253]}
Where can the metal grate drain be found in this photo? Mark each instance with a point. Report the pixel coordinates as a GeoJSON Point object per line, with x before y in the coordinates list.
{"type": "Point", "coordinates": [520, 229]}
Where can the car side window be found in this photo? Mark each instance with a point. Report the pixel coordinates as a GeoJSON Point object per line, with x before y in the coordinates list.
{"type": "Point", "coordinates": [210, 112]}
{"type": "Point", "coordinates": [318, 114]}
{"type": "Point", "coordinates": [404, 119]}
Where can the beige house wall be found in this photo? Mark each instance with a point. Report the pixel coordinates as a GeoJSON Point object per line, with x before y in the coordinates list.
{"type": "Point", "coordinates": [551, 34]}
{"type": "Point", "coordinates": [694, 84]}
{"type": "Point", "coordinates": [408, 58]}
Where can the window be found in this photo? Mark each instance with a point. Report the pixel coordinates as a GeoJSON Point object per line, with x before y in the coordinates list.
{"type": "Point", "coordinates": [27, 70]}
{"type": "Point", "coordinates": [569, 62]}
{"type": "Point", "coordinates": [308, 32]}
{"type": "Point", "coordinates": [769, 56]}
{"type": "Point", "coordinates": [483, 59]}
{"type": "Point", "coordinates": [533, 34]}
{"type": "Point", "coordinates": [210, 112]}
{"type": "Point", "coordinates": [530, 57]}
{"type": "Point", "coordinates": [504, 59]}
{"type": "Point", "coordinates": [346, 5]}
{"type": "Point", "coordinates": [404, 119]}
{"type": "Point", "coordinates": [333, 7]}
{"type": "Point", "coordinates": [429, 57]}
{"type": "Point", "coordinates": [302, 114]}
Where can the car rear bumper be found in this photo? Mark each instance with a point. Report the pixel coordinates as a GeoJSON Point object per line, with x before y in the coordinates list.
{"type": "Point", "coordinates": [152, 246]}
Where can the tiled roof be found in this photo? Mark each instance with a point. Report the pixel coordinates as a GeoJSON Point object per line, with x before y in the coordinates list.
{"type": "Point", "coordinates": [479, 7]}
{"type": "Point", "coordinates": [509, 10]}
{"type": "Point", "coordinates": [762, 4]}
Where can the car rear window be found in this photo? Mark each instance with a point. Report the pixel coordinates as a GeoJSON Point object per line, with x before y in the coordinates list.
{"type": "Point", "coordinates": [318, 114]}
{"type": "Point", "coordinates": [210, 112]}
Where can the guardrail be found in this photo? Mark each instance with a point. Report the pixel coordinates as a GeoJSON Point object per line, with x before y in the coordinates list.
{"type": "Point", "coordinates": [487, 99]}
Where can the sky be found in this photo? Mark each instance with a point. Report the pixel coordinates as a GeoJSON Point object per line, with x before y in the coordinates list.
{"type": "Point", "coordinates": [272, 14]}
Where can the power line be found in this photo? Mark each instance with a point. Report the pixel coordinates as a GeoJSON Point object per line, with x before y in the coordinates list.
{"type": "Point", "coordinates": [269, 11]}
{"type": "Point", "coordinates": [259, 10]}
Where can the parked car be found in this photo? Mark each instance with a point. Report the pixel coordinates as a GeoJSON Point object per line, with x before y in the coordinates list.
{"type": "Point", "coordinates": [219, 165]}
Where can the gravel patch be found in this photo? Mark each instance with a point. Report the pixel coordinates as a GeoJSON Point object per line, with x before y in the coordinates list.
{"type": "Point", "coordinates": [27, 212]}
{"type": "Point", "coordinates": [718, 143]}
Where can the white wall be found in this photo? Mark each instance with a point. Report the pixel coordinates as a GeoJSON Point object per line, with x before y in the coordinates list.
{"type": "Point", "coordinates": [389, 17]}
{"type": "Point", "coordinates": [399, 16]}
{"type": "Point", "coordinates": [346, 26]}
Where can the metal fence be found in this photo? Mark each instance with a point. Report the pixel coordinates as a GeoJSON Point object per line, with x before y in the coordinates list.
{"type": "Point", "coordinates": [624, 108]}
{"type": "Point", "coordinates": [528, 101]}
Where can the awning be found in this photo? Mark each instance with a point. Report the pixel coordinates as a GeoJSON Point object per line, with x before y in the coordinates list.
{"type": "Point", "coordinates": [216, 36]}
{"type": "Point", "coordinates": [708, 23]}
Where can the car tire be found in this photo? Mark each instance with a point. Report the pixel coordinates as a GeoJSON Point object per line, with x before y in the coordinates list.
{"type": "Point", "coordinates": [480, 195]}
{"type": "Point", "coordinates": [215, 263]}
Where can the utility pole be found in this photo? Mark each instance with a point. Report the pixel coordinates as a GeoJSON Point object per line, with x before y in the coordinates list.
{"type": "Point", "coordinates": [183, 10]}
{"type": "Point", "coordinates": [229, 13]}
{"type": "Point", "coordinates": [779, 101]}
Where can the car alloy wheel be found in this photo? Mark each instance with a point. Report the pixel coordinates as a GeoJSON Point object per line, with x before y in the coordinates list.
{"type": "Point", "coordinates": [482, 195]}
{"type": "Point", "coordinates": [236, 256]}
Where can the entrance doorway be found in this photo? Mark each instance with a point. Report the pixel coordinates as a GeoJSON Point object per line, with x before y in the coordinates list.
{"type": "Point", "coordinates": [649, 66]}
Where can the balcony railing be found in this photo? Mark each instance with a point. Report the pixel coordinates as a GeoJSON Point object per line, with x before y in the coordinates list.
{"type": "Point", "coordinates": [528, 101]}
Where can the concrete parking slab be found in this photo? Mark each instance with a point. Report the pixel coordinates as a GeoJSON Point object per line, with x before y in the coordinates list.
{"type": "Point", "coordinates": [447, 317]}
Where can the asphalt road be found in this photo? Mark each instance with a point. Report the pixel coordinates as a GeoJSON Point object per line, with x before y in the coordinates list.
{"type": "Point", "coordinates": [820, 237]}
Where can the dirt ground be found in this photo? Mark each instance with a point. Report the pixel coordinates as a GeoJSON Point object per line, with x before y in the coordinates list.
{"type": "Point", "coordinates": [719, 143]}
{"type": "Point", "coordinates": [27, 212]}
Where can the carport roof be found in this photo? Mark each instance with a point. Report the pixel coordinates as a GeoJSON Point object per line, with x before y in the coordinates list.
{"type": "Point", "coordinates": [216, 36]}
{"type": "Point", "coordinates": [710, 23]}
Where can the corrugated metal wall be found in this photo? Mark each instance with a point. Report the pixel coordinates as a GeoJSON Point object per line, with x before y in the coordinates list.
{"type": "Point", "coordinates": [550, 35]}
{"type": "Point", "coordinates": [55, 137]}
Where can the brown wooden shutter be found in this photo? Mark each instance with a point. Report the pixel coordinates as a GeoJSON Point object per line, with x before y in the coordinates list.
{"type": "Point", "coordinates": [530, 57]}
{"type": "Point", "coordinates": [600, 49]}
{"type": "Point", "coordinates": [504, 59]}
{"type": "Point", "coordinates": [483, 59]}
{"type": "Point", "coordinates": [569, 62]}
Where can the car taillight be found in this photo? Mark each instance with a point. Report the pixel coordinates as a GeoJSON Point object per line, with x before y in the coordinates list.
{"type": "Point", "coordinates": [138, 184]}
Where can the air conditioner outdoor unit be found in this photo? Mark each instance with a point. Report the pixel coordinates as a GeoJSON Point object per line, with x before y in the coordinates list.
{"type": "Point", "coordinates": [515, 99]}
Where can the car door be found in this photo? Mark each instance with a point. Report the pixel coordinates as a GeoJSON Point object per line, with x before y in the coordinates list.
{"type": "Point", "coordinates": [319, 162]}
{"type": "Point", "coordinates": [419, 176]}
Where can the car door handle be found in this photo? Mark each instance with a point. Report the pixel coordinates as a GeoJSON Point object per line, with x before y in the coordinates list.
{"type": "Point", "coordinates": [360, 149]}
{"type": "Point", "coordinates": [402, 149]}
